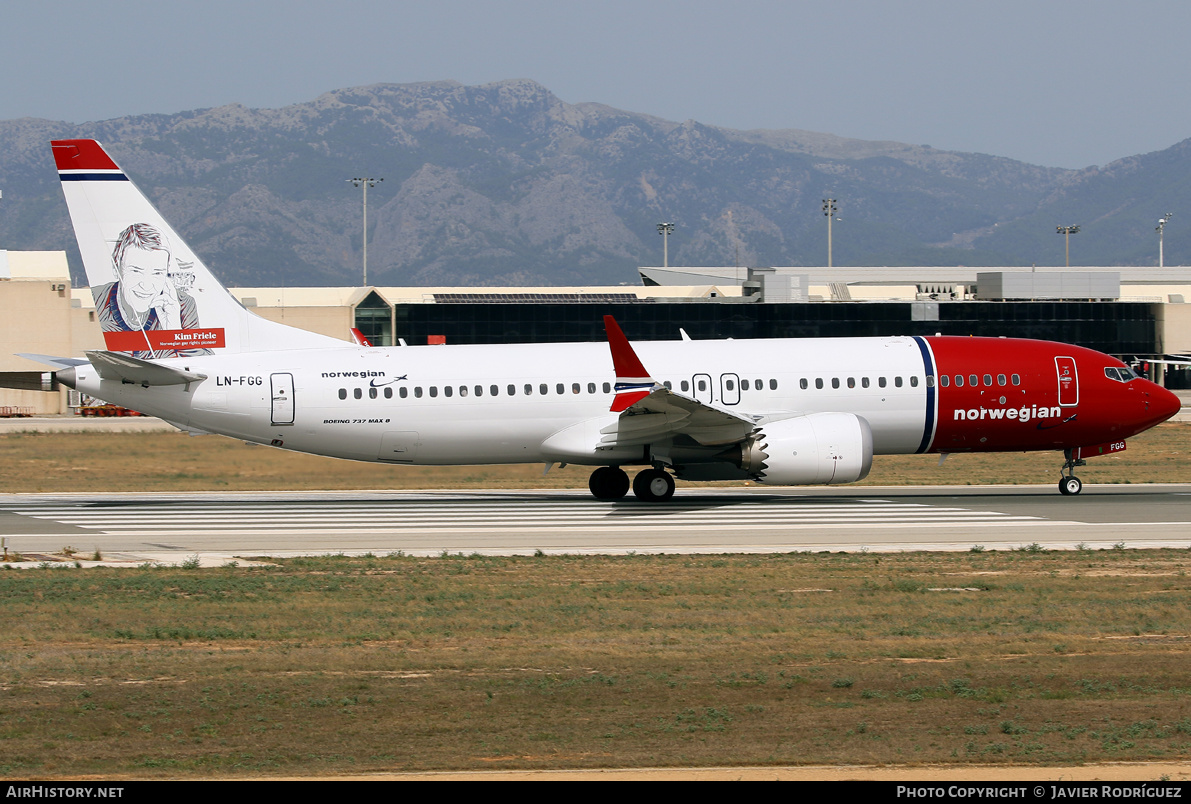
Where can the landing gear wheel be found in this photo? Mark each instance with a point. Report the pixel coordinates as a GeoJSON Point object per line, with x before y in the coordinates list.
{"type": "Point", "coordinates": [608, 483]}
{"type": "Point", "coordinates": [1069, 484]}
{"type": "Point", "coordinates": [653, 485]}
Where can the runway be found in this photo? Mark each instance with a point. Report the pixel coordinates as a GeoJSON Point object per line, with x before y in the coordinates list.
{"type": "Point", "coordinates": [220, 527]}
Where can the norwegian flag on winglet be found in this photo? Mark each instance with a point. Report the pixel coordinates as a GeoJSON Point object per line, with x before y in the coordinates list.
{"type": "Point", "coordinates": [633, 382]}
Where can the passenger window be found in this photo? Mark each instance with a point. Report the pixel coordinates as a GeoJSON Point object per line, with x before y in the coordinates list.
{"type": "Point", "coordinates": [433, 391]}
{"type": "Point", "coordinates": [591, 388]}
{"type": "Point", "coordinates": [702, 385]}
{"type": "Point", "coordinates": [668, 385]}
{"type": "Point", "coordinates": [1000, 379]}
{"type": "Point", "coordinates": [973, 380]}
{"type": "Point", "coordinates": [574, 388]}
{"type": "Point", "coordinates": [512, 390]}
{"type": "Point", "coordinates": [773, 385]}
{"type": "Point", "coordinates": [819, 383]}
{"type": "Point", "coordinates": [1015, 378]}
{"type": "Point", "coordinates": [897, 381]}
{"type": "Point", "coordinates": [835, 382]}
{"type": "Point", "coordinates": [417, 392]}
{"type": "Point", "coordinates": [731, 386]}
{"type": "Point", "coordinates": [988, 381]}
{"type": "Point", "coordinates": [560, 388]}
{"type": "Point", "coordinates": [684, 385]}
{"type": "Point", "coordinates": [357, 393]}
{"type": "Point", "coordinates": [914, 381]}
{"type": "Point", "coordinates": [881, 382]}
{"type": "Point", "coordinates": [608, 387]}
{"type": "Point", "coordinates": [543, 389]}
{"type": "Point", "coordinates": [944, 380]}
{"type": "Point", "coordinates": [758, 385]}
{"type": "Point", "coordinates": [864, 382]}
{"type": "Point", "coordinates": [403, 392]}
{"type": "Point", "coordinates": [930, 381]}
{"type": "Point", "coordinates": [959, 381]}
{"type": "Point", "coordinates": [803, 383]}
{"type": "Point", "coordinates": [528, 389]}
{"type": "Point", "coordinates": [851, 382]}
{"type": "Point", "coordinates": [493, 390]}
{"type": "Point", "coordinates": [343, 393]}
{"type": "Point", "coordinates": [388, 392]}
{"type": "Point", "coordinates": [372, 393]}
{"type": "Point", "coordinates": [447, 390]}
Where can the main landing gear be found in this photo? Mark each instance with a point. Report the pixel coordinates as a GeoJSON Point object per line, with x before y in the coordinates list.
{"type": "Point", "coordinates": [608, 483]}
{"type": "Point", "coordinates": [1069, 484]}
{"type": "Point", "coordinates": [650, 485]}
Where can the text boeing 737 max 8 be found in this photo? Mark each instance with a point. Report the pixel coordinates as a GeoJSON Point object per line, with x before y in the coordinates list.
{"type": "Point", "coordinates": [782, 412]}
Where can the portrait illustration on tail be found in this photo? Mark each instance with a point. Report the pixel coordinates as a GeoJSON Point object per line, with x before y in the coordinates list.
{"type": "Point", "coordinates": [150, 293]}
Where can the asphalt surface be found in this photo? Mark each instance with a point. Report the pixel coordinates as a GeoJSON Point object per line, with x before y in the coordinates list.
{"type": "Point", "coordinates": [221, 527]}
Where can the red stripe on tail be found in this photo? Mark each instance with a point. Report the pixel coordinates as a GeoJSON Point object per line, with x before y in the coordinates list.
{"type": "Point", "coordinates": [81, 155]}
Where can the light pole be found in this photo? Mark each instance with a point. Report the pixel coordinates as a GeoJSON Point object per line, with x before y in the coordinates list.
{"type": "Point", "coordinates": [1161, 225]}
{"type": "Point", "coordinates": [665, 230]}
{"type": "Point", "coordinates": [365, 182]}
{"type": "Point", "coordinates": [829, 211]}
{"type": "Point", "coordinates": [1067, 231]}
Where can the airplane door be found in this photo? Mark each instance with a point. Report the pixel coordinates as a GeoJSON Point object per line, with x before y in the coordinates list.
{"type": "Point", "coordinates": [701, 387]}
{"type": "Point", "coordinates": [730, 389]}
{"type": "Point", "coordinates": [283, 398]}
{"type": "Point", "coordinates": [1068, 381]}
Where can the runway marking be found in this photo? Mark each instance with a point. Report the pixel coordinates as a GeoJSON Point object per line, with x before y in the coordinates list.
{"type": "Point", "coordinates": [497, 514]}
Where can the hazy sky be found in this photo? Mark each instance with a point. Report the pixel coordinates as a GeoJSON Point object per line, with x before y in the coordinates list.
{"type": "Point", "coordinates": [1064, 84]}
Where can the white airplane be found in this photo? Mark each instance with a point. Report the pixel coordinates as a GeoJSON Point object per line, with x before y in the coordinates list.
{"type": "Point", "coordinates": [780, 412]}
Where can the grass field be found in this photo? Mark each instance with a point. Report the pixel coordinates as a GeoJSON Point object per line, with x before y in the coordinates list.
{"type": "Point", "coordinates": [82, 462]}
{"type": "Point", "coordinates": [336, 665]}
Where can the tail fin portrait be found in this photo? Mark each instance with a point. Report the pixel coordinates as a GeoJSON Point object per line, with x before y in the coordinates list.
{"type": "Point", "coordinates": [153, 297]}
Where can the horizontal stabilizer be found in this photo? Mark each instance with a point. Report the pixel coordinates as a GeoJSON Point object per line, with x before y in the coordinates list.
{"type": "Point", "coordinates": [56, 363]}
{"type": "Point", "coordinates": [114, 366]}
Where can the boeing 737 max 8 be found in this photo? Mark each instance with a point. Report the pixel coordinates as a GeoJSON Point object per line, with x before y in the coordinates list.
{"type": "Point", "coordinates": [782, 412]}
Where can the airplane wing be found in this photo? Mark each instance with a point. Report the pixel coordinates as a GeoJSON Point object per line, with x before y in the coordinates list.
{"type": "Point", "coordinates": [649, 411]}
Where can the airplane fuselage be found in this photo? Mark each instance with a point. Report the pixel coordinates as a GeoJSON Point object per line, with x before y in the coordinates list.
{"type": "Point", "coordinates": [503, 404]}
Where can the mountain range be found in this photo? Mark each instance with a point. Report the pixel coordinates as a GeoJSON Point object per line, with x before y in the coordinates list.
{"type": "Point", "coordinates": [505, 184]}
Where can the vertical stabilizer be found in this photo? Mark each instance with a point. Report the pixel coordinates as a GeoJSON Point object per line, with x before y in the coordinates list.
{"type": "Point", "coordinates": [153, 296]}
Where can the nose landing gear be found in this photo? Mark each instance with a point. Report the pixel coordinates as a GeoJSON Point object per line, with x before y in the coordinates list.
{"type": "Point", "coordinates": [1069, 484]}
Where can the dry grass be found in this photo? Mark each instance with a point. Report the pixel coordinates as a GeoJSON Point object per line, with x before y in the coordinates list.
{"type": "Point", "coordinates": [342, 665]}
{"type": "Point", "coordinates": [80, 462]}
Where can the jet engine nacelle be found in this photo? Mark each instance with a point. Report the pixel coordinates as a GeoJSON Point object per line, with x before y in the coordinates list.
{"type": "Point", "coordinates": [815, 450]}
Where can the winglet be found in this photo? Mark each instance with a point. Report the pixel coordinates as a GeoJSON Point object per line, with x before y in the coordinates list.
{"type": "Point", "coordinates": [633, 382]}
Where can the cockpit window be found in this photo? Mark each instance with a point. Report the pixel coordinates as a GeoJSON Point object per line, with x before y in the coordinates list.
{"type": "Point", "coordinates": [1119, 374]}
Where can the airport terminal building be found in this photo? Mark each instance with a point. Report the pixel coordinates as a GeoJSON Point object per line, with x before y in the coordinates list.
{"type": "Point", "coordinates": [1137, 314]}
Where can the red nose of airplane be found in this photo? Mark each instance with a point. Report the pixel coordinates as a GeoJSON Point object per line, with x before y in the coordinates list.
{"type": "Point", "coordinates": [1163, 404]}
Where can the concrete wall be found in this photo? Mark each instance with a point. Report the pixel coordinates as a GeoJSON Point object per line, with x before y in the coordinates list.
{"type": "Point", "coordinates": [333, 321]}
{"type": "Point", "coordinates": [1174, 321]}
{"type": "Point", "coordinates": [34, 317]}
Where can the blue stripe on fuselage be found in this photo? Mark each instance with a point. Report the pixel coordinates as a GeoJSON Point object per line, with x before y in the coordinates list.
{"type": "Point", "coordinates": [928, 366]}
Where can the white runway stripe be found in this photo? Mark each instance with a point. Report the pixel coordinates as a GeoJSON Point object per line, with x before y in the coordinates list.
{"type": "Point", "coordinates": [497, 514]}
